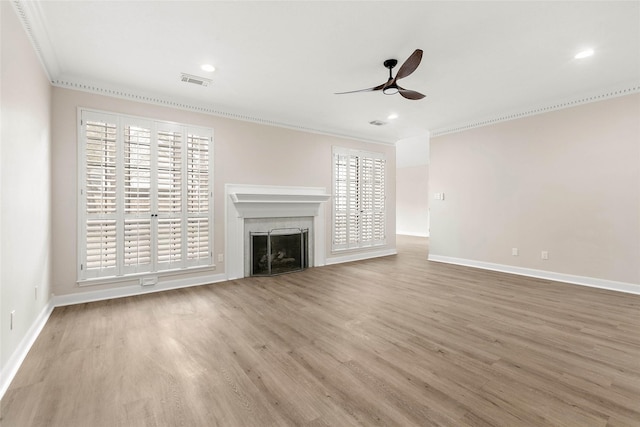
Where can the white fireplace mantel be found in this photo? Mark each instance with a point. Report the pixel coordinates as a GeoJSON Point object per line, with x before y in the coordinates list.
{"type": "Point", "coordinates": [262, 201]}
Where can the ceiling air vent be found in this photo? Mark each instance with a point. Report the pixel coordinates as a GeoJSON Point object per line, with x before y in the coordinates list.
{"type": "Point", "coordinates": [200, 81]}
{"type": "Point", "coordinates": [377, 123]}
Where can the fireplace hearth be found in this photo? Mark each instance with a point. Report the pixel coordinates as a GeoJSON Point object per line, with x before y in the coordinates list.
{"type": "Point", "coordinates": [279, 251]}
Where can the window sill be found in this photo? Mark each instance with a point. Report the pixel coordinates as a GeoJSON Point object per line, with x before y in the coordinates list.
{"type": "Point", "coordinates": [136, 278]}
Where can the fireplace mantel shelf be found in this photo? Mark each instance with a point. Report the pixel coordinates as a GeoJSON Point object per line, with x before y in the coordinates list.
{"type": "Point", "coordinates": [279, 198]}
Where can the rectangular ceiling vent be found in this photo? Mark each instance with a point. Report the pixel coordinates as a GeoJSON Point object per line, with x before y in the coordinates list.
{"type": "Point", "coordinates": [200, 81]}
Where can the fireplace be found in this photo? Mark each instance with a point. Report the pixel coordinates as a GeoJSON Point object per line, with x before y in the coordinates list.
{"type": "Point", "coordinates": [260, 209]}
{"type": "Point", "coordinates": [279, 251]}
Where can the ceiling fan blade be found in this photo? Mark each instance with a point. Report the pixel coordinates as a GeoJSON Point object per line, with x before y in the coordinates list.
{"type": "Point", "coordinates": [410, 94]}
{"type": "Point", "coordinates": [379, 87]}
{"type": "Point", "coordinates": [410, 64]}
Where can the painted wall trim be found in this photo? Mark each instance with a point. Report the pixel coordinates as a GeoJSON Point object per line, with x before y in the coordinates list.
{"type": "Point", "coordinates": [194, 107]}
{"type": "Point", "coordinates": [359, 256]}
{"type": "Point", "coordinates": [134, 290]}
{"type": "Point", "coordinates": [10, 369]}
{"type": "Point", "coordinates": [409, 233]}
{"type": "Point", "coordinates": [613, 93]}
{"type": "Point", "coordinates": [542, 274]}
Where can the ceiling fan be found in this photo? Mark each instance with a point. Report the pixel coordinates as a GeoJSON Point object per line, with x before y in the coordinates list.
{"type": "Point", "coordinates": [391, 87]}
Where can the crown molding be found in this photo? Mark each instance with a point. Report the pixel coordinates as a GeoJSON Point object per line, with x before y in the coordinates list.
{"type": "Point", "coordinates": [532, 111]}
{"type": "Point", "coordinates": [184, 105]}
{"type": "Point", "coordinates": [30, 16]}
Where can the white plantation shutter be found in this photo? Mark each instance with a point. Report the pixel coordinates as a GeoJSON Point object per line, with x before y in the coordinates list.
{"type": "Point", "coordinates": [379, 202]}
{"type": "Point", "coordinates": [359, 218]}
{"type": "Point", "coordinates": [353, 206]}
{"type": "Point", "coordinates": [170, 201]}
{"type": "Point", "coordinates": [145, 196]}
{"type": "Point", "coordinates": [340, 201]}
{"type": "Point", "coordinates": [198, 199]}
{"type": "Point", "coordinates": [98, 207]}
{"type": "Point", "coordinates": [137, 197]}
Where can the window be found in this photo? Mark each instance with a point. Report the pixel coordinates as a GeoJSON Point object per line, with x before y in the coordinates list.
{"type": "Point", "coordinates": [359, 218]}
{"type": "Point", "coordinates": [145, 196]}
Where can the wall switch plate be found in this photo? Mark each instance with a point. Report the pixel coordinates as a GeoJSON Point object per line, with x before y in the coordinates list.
{"type": "Point", "coordinates": [514, 251]}
{"type": "Point", "coordinates": [220, 257]}
{"type": "Point", "coordinates": [544, 255]}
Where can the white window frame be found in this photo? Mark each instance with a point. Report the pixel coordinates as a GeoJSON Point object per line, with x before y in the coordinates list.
{"type": "Point", "coordinates": [182, 213]}
{"type": "Point", "coordinates": [359, 199]}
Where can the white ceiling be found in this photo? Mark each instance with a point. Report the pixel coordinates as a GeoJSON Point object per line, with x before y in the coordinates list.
{"type": "Point", "coordinates": [281, 62]}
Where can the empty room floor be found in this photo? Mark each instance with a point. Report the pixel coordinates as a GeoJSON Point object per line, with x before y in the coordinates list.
{"type": "Point", "coordinates": [396, 340]}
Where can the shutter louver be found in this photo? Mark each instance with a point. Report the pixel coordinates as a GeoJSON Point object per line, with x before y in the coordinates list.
{"type": "Point", "coordinates": [169, 241]}
{"type": "Point", "coordinates": [100, 161]}
{"type": "Point", "coordinates": [169, 172]}
{"type": "Point", "coordinates": [137, 242]}
{"type": "Point", "coordinates": [137, 170]}
{"type": "Point", "coordinates": [198, 238]}
{"type": "Point", "coordinates": [101, 245]}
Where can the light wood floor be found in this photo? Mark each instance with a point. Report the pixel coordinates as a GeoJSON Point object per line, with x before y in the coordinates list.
{"type": "Point", "coordinates": [392, 341]}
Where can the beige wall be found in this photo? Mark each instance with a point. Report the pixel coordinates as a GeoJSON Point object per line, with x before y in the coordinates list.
{"type": "Point", "coordinates": [412, 200]}
{"type": "Point", "coordinates": [25, 230]}
{"type": "Point", "coordinates": [245, 153]}
{"type": "Point", "coordinates": [566, 181]}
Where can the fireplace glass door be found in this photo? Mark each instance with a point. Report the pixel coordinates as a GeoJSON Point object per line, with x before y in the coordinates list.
{"type": "Point", "coordinates": [279, 251]}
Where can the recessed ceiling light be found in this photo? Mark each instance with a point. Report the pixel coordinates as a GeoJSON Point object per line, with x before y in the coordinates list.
{"type": "Point", "coordinates": [392, 116]}
{"type": "Point", "coordinates": [208, 67]}
{"type": "Point", "coordinates": [584, 54]}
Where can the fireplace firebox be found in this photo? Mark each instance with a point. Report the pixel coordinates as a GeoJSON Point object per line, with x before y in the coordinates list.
{"type": "Point", "coordinates": [279, 251]}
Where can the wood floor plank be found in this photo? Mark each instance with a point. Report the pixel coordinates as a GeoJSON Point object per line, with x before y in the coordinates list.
{"type": "Point", "coordinates": [393, 341]}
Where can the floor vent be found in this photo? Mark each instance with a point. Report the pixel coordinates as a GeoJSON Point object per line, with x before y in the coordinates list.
{"type": "Point", "coordinates": [377, 123]}
{"type": "Point", "coordinates": [200, 81]}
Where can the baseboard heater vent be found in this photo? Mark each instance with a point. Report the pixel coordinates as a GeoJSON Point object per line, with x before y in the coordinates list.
{"type": "Point", "coordinates": [149, 281]}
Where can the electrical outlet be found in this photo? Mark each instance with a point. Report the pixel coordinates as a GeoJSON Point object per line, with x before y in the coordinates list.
{"type": "Point", "coordinates": [544, 255]}
{"type": "Point", "coordinates": [514, 251]}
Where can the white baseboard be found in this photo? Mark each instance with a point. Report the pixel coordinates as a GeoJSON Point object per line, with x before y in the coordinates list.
{"type": "Point", "coordinates": [630, 288]}
{"type": "Point", "coordinates": [358, 256]}
{"type": "Point", "coordinates": [128, 291]}
{"type": "Point", "coordinates": [10, 369]}
{"type": "Point", "coordinates": [409, 233]}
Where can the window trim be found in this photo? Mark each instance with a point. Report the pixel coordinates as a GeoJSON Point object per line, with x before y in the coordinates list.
{"type": "Point", "coordinates": [156, 268]}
